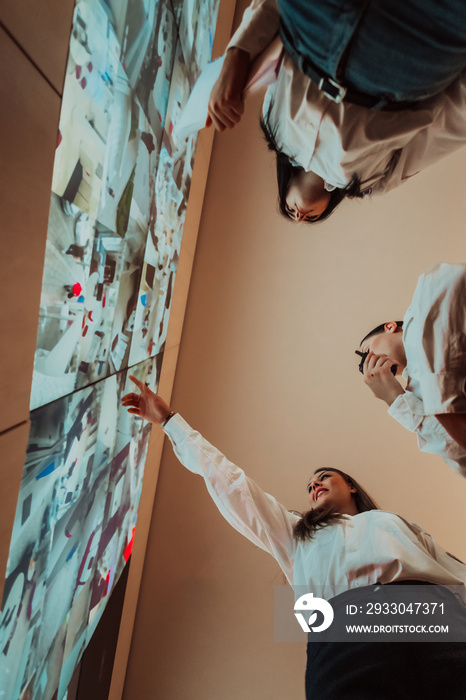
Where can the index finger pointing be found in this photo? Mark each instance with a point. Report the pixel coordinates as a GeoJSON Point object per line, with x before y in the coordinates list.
{"type": "Point", "coordinates": [140, 385]}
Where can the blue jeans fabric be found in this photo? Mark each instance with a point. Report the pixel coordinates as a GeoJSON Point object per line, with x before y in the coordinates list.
{"type": "Point", "coordinates": [395, 49]}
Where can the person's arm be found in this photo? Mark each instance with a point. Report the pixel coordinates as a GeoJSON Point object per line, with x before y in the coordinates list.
{"type": "Point", "coordinates": [432, 437]}
{"type": "Point", "coordinates": [444, 134]}
{"type": "Point", "coordinates": [226, 103]}
{"type": "Point", "coordinates": [252, 512]}
{"type": "Point", "coordinates": [407, 409]}
{"type": "Point", "coordinates": [260, 24]}
{"type": "Point", "coordinates": [440, 299]}
{"type": "Point", "coordinates": [379, 378]}
{"type": "Point", "coordinates": [446, 560]}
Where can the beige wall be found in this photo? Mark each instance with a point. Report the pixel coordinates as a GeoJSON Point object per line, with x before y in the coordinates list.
{"type": "Point", "coordinates": [266, 371]}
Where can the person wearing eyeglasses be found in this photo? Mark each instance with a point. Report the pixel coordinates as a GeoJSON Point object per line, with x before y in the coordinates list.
{"type": "Point", "coordinates": [429, 349]}
{"type": "Point", "coordinates": [349, 551]}
{"type": "Point", "coordinates": [367, 94]}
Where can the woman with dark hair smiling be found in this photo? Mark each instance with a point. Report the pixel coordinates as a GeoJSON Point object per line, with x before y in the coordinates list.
{"type": "Point", "coordinates": [349, 551]}
{"type": "Point", "coordinates": [366, 95]}
{"type": "Point", "coordinates": [300, 194]}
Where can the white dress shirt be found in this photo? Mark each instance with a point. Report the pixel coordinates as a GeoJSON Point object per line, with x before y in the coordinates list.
{"type": "Point", "coordinates": [357, 551]}
{"type": "Point", "coordinates": [335, 141]}
{"type": "Point", "coordinates": [434, 339]}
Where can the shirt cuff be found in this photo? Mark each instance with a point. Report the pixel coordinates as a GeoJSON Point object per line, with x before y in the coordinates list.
{"type": "Point", "coordinates": [177, 428]}
{"type": "Point", "coordinates": [408, 410]}
{"type": "Point", "coordinates": [260, 24]}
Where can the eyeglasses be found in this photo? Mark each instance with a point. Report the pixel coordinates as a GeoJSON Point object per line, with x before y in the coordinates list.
{"type": "Point", "coordinates": [363, 356]}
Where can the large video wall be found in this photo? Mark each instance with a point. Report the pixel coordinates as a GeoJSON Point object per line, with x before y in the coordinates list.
{"type": "Point", "coordinates": [119, 194]}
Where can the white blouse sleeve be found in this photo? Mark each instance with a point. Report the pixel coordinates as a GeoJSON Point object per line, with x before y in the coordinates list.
{"type": "Point", "coordinates": [407, 409]}
{"type": "Point", "coordinates": [260, 24]}
{"type": "Point", "coordinates": [440, 301]}
{"type": "Point", "coordinates": [432, 437]}
{"type": "Point", "coordinates": [445, 559]}
{"type": "Point", "coordinates": [251, 511]}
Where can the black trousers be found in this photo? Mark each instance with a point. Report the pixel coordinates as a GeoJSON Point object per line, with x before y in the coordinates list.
{"type": "Point", "coordinates": [368, 670]}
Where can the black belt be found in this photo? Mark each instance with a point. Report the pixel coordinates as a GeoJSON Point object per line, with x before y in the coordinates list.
{"type": "Point", "coordinates": [334, 88]}
{"type": "Point", "coordinates": [338, 92]}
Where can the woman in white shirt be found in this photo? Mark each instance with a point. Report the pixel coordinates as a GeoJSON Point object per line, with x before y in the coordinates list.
{"type": "Point", "coordinates": [344, 548]}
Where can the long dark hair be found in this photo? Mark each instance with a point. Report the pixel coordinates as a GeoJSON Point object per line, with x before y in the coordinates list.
{"type": "Point", "coordinates": [318, 518]}
{"type": "Point", "coordinates": [286, 171]}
